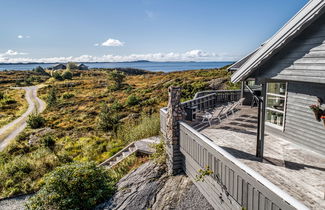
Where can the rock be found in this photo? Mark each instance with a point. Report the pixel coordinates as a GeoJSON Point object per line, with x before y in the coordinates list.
{"type": "Point", "coordinates": [16, 203]}
{"type": "Point", "coordinates": [34, 138]}
{"type": "Point", "coordinates": [217, 84]}
{"type": "Point", "coordinates": [149, 187]}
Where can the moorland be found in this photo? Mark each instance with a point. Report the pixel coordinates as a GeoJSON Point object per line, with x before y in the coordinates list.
{"type": "Point", "coordinates": [90, 115]}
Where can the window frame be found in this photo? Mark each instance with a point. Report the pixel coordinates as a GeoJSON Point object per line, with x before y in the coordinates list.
{"type": "Point", "coordinates": [275, 110]}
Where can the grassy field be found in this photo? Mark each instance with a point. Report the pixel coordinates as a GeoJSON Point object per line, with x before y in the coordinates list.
{"type": "Point", "coordinates": [12, 105]}
{"type": "Point", "coordinates": [89, 119]}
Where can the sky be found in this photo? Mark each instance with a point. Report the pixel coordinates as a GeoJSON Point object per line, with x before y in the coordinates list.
{"type": "Point", "coordinates": [126, 30]}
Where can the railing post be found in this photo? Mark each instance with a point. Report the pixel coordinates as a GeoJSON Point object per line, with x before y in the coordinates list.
{"type": "Point", "coordinates": [174, 116]}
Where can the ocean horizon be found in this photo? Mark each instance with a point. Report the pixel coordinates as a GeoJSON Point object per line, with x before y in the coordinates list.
{"type": "Point", "coordinates": [145, 65]}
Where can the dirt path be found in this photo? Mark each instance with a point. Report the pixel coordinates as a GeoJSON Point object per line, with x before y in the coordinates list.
{"type": "Point", "coordinates": [11, 130]}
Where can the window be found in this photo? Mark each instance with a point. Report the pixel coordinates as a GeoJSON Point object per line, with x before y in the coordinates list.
{"type": "Point", "coordinates": [275, 104]}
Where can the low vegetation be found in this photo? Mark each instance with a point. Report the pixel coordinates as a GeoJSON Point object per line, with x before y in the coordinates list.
{"type": "Point", "coordinates": [92, 116]}
{"type": "Point", "coordinates": [12, 105]}
{"type": "Point", "coordinates": [35, 121]}
{"type": "Point", "coordinates": [73, 186]}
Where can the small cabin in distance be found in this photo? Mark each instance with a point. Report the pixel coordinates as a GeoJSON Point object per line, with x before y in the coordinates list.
{"type": "Point", "coordinates": [57, 67]}
{"type": "Point", "coordinates": [82, 67]}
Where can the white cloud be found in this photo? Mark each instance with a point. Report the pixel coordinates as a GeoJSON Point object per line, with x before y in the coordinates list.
{"type": "Point", "coordinates": [22, 37]}
{"type": "Point", "coordinates": [96, 45]}
{"type": "Point", "coordinates": [112, 43]}
{"type": "Point", "coordinates": [11, 53]}
{"type": "Point", "coordinates": [192, 55]}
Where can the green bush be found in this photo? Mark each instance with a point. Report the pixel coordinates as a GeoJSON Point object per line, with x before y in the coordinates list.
{"type": "Point", "coordinates": [107, 120]}
{"type": "Point", "coordinates": [117, 77]}
{"type": "Point", "coordinates": [160, 155]}
{"type": "Point", "coordinates": [48, 141]}
{"type": "Point", "coordinates": [36, 121]}
{"type": "Point", "coordinates": [116, 106]}
{"type": "Point", "coordinates": [72, 65]}
{"type": "Point", "coordinates": [67, 95]}
{"type": "Point", "coordinates": [73, 186]}
{"type": "Point", "coordinates": [2, 95]}
{"type": "Point", "coordinates": [57, 76]}
{"type": "Point", "coordinates": [12, 174]}
{"type": "Point", "coordinates": [132, 100]}
{"type": "Point", "coordinates": [51, 97]}
{"type": "Point", "coordinates": [67, 74]}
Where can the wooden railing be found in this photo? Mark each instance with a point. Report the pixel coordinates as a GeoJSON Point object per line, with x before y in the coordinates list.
{"type": "Point", "coordinates": [222, 95]}
{"type": "Point", "coordinates": [212, 98]}
{"type": "Point", "coordinates": [231, 185]}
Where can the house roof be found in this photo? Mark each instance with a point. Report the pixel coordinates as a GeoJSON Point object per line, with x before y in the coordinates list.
{"type": "Point", "coordinates": [308, 14]}
{"type": "Point", "coordinates": [238, 64]}
{"type": "Point", "coordinates": [59, 64]}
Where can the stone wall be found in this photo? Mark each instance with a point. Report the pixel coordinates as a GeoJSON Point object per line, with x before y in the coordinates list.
{"type": "Point", "coordinates": [174, 115]}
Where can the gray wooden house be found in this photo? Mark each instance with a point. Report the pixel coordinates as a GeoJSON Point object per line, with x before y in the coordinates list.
{"type": "Point", "coordinates": [291, 69]}
{"type": "Point", "coordinates": [269, 152]}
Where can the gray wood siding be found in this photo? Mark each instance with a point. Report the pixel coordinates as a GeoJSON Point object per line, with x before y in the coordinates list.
{"type": "Point", "coordinates": [303, 59]}
{"type": "Point", "coordinates": [301, 127]}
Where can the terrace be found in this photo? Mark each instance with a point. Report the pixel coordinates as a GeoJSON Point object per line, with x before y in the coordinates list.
{"type": "Point", "coordinates": [287, 177]}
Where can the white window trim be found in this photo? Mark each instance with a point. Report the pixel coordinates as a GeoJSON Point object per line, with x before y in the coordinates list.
{"type": "Point", "coordinates": [275, 110]}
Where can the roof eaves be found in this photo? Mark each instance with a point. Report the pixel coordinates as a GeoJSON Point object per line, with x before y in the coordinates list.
{"type": "Point", "coordinates": [296, 24]}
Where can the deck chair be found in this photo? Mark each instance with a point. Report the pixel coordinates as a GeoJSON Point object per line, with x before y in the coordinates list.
{"type": "Point", "coordinates": [227, 110]}
{"type": "Point", "coordinates": [216, 114]}
{"type": "Point", "coordinates": [236, 104]}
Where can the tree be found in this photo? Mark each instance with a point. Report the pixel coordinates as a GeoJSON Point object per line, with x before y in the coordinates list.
{"type": "Point", "coordinates": [57, 76]}
{"type": "Point", "coordinates": [117, 77]}
{"type": "Point", "coordinates": [36, 121]}
{"type": "Point", "coordinates": [67, 74]}
{"type": "Point", "coordinates": [71, 66]}
{"type": "Point", "coordinates": [51, 97]}
{"type": "Point", "coordinates": [107, 119]}
{"type": "Point", "coordinates": [73, 186]}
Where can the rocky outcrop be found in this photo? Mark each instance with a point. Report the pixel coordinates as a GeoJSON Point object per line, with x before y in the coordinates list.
{"type": "Point", "coordinates": [217, 84]}
{"type": "Point", "coordinates": [149, 187]}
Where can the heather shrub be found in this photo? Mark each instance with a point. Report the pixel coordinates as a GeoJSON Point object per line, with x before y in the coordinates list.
{"type": "Point", "coordinates": [51, 97]}
{"type": "Point", "coordinates": [132, 100]}
{"type": "Point", "coordinates": [57, 76]}
{"type": "Point", "coordinates": [67, 95]}
{"type": "Point", "coordinates": [107, 119]}
{"type": "Point", "coordinates": [67, 74]}
{"type": "Point", "coordinates": [36, 121]}
{"type": "Point", "coordinates": [73, 186]}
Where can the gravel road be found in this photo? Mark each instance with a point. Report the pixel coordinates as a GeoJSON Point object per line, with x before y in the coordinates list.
{"type": "Point", "coordinates": [11, 130]}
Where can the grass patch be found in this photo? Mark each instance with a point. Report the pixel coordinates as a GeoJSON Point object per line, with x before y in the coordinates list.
{"type": "Point", "coordinates": [12, 105]}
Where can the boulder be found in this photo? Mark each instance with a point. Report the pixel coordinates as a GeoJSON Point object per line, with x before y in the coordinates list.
{"type": "Point", "coordinates": [149, 187]}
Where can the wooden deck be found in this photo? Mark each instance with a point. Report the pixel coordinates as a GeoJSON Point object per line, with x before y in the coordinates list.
{"type": "Point", "coordinates": [296, 170]}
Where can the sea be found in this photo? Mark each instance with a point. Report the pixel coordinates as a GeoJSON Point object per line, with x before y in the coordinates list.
{"type": "Point", "coordinates": [146, 65]}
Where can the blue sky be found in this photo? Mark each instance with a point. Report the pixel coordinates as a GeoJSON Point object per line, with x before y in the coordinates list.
{"type": "Point", "coordinates": [117, 30]}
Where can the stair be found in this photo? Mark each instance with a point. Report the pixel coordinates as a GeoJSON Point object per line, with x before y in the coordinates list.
{"type": "Point", "coordinates": [142, 146]}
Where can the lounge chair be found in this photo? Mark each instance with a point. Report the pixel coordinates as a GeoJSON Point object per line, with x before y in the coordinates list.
{"type": "Point", "coordinates": [216, 114]}
{"type": "Point", "coordinates": [236, 104]}
{"type": "Point", "coordinates": [227, 110]}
